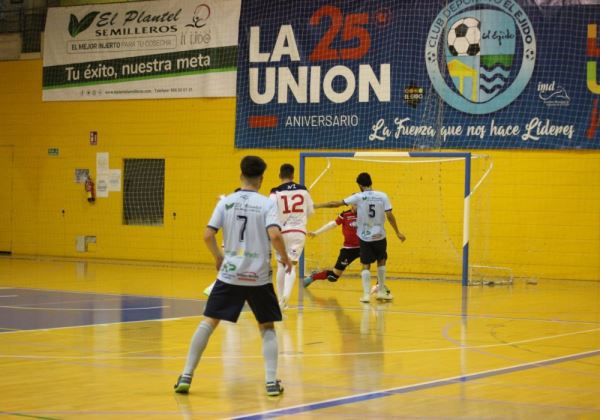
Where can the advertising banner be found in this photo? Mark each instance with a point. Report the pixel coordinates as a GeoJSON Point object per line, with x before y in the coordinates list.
{"type": "Point", "coordinates": [142, 50]}
{"type": "Point", "coordinates": [464, 74]}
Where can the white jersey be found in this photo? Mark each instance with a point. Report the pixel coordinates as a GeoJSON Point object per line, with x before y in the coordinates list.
{"type": "Point", "coordinates": [370, 214]}
{"type": "Point", "coordinates": [294, 206]}
{"type": "Point", "coordinates": [245, 216]}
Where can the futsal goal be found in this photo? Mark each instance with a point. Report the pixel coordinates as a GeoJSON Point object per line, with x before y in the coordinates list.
{"type": "Point", "coordinates": [440, 201]}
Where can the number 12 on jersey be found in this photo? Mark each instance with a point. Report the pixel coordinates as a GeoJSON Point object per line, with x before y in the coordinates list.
{"type": "Point", "coordinates": [296, 202]}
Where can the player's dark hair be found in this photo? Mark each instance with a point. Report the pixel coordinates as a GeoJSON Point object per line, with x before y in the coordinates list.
{"type": "Point", "coordinates": [364, 179]}
{"type": "Point", "coordinates": [252, 166]}
{"type": "Point", "coordinates": [286, 171]}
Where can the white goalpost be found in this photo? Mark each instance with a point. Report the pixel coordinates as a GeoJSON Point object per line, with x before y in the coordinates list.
{"type": "Point", "coordinates": [431, 195]}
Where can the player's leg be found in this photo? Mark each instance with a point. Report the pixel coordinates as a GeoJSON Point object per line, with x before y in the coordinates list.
{"type": "Point", "coordinates": [294, 246]}
{"type": "Point", "coordinates": [319, 275]}
{"type": "Point", "coordinates": [365, 275]}
{"type": "Point", "coordinates": [280, 275]}
{"type": "Point", "coordinates": [225, 302]}
{"type": "Point", "coordinates": [331, 275]}
{"type": "Point", "coordinates": [288, 285]}
{"type": "Point", "coordinates": [263, 302]}
{"type": "Point", "coordinates": [381, 251]}
{"type": "Point", "coordinates": [366, 258]}
{"type": "Point", "coordinates": [197, 346]}
{"type": "Point", "coordinates": [346, 257]}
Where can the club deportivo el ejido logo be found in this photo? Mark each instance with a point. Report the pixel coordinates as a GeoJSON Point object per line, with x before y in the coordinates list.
{"type": "Point", "coordinates": [480, 54]}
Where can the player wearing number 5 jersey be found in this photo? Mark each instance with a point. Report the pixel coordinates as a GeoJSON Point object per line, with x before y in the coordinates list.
{"type": "Point", "coordinates": [294, 207]}
{"type": "Point", "coordinates": [373, 208]}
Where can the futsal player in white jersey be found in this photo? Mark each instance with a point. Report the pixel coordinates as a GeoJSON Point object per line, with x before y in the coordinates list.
{"type": "Point", "coordinates": [250, 224]}
{"type": "Point", "coordinates": [373, 208]}
{"type": "Point", "coordinates": [294, 206]}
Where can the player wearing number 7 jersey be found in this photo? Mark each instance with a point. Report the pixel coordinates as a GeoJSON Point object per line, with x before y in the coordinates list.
{"type": "Point", "coordinates": [294, 206]}
{"type": "Point", "coordinates": [373, 207]}
{"type": "Point", "coordinates": [250, 227]}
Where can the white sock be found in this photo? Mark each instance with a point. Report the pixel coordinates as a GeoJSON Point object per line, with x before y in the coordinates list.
{"type": "Point", "coordinates": [269, 341]}
{"type": "Point", "coordinates": [381, 278]}
{"type": "Point", "coordinates": [289, 280]}
{"type": "Point", "coordinates": [366, 281]}
{"type": "Point", "coordinates": [199, 341]}
{"type": "Point", "coordinates": [280, 279]}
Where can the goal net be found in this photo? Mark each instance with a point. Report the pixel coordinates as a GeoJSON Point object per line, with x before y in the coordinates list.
{"type": "Point", "coordinates": [441, 203]}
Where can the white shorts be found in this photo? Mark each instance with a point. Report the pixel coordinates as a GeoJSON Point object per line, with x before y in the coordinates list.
{"type": "Point", "coordinates": [294, 244]}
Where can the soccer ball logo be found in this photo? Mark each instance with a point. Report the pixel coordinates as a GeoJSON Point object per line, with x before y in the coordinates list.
{"type": "Point", "coordinates": [464, 37]}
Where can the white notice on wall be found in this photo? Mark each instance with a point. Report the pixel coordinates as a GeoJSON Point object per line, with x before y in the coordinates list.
{"type": "Point", "coordinates": [102, 185]}
{"type": "Point", "coordinates": [101, 162]}
{"type": "Point", "coordinates": [102, 174]}
{"type": "Point", "coordinates": [114, 180]}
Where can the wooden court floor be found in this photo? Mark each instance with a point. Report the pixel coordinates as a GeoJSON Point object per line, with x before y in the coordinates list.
{"type": "Point", "coordinates": [101, 340]}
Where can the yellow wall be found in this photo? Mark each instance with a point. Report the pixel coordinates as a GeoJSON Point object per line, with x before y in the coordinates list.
{"type": "Point", "coordinates": [542, 214]}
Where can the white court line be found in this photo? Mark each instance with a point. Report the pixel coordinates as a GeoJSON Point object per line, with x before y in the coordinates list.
{"type": "Point", "coordinates": [105, 324]}
{"type": "Point", "coordinates": [102, 293]}
{"type": "Point", "coordinates": [317, 309]}
{"type": "Point", "coordinates": [438, 349]}
{"type": "Point", "coordinates": [6, 296]}
{"type": "Point", "coordinates": [31, 308]}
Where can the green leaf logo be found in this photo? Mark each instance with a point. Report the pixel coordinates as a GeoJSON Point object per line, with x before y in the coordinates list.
{"type": "Point", "coordinates": [228, 206]}
{"type": "Point", "coordinates": [228, 267]}
{"type": "Point", "coordinates": [76, 27]}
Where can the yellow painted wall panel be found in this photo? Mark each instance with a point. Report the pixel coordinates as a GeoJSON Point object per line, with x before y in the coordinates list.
{"type": "Point", "coordinates": [537, 213]}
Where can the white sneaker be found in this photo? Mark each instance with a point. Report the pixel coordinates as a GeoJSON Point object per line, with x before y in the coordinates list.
{"type": "Point", "coordinates": [385, 295]}
{"type": "Point", "coordinates": [365, 299]}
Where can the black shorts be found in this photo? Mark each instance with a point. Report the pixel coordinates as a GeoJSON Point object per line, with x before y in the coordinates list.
{"type": "Point", "coordinates": [226, 302]}
{"type": "Point", "coordinates": [346, 257]}
{"type": "Point", "coordinates": [373, 251]}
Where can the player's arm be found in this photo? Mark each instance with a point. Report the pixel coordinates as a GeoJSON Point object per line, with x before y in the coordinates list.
{"type": "Point", "coordinates": [323, 229]}
{"type": "Point", "coordinates": [330, 204]}
{"type": "Point", "coordinates": [210, 239]}
{"type": "Point", "coordinates": [392, 219]}
{"type": "Point", "coordinates": [310, 206]}
{"type": "Point", "coordinates": [274, 233]}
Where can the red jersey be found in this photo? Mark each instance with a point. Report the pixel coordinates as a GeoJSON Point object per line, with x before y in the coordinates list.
{"type": "Point", "coordinates": [348, 221]}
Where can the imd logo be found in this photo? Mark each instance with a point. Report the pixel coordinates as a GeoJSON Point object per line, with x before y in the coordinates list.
{"type": "Point", "coordinates": [480, 55]}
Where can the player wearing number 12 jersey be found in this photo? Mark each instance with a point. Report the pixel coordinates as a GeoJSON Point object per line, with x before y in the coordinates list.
{"type": "Point", "coordinates": [294, 206]}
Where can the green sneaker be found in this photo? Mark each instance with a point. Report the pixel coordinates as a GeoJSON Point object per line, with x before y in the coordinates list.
{"type": "Point", "coordinates": [208, 289]}
{"type": "Point", "coordinates": [307, 281]}
{"type": "Point", "coordinates": [183, 384]}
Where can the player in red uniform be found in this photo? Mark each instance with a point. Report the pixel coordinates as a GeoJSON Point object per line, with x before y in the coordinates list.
{"type": "Point", "coordinates": [348, 253]}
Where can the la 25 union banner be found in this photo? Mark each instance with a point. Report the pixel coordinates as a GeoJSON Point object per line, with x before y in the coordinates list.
{"type": "Point", "coordinates": [154, 49]}
{"type": "Point", "coordinates": [385, 74]}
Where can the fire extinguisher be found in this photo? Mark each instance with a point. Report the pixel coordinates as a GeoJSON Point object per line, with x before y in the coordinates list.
{"type": "Point", "coordinates": [90, 189]}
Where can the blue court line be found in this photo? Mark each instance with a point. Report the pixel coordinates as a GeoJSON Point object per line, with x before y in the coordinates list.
{"type": "Point", "coordinates": [411, 388]}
